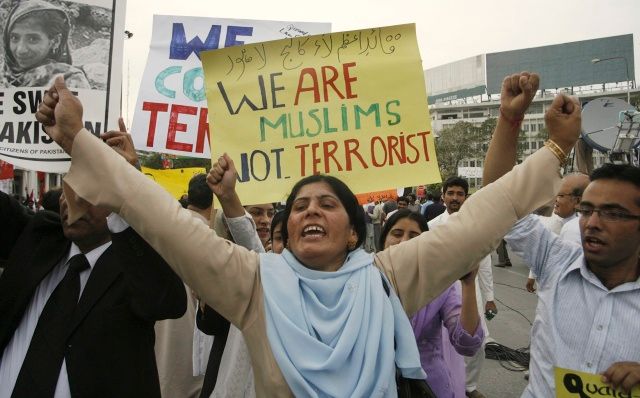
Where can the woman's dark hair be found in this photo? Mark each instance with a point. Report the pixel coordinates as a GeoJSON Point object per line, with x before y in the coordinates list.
{"type": "Point", "coordinates": [278, 218]}
{"type": "Point", "coordinates": [344, 194]}
{"type": "Point", "coordinates": [397, 216]}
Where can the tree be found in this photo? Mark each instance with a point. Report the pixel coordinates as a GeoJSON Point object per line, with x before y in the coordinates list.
{"type": "Point", "coordinates": [153, 160]}
{"type": "Point", "coordinates": [182, 162]}
{"type": "Point", "coordinates": [542, 134]}
{"type": "Point", "coordinates": [461, 141]}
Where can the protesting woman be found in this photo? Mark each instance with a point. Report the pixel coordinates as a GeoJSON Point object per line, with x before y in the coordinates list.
{"type": "Point", "coordinates": [456, 311]}
{"type": "Point", "coordinates": [316, 319]}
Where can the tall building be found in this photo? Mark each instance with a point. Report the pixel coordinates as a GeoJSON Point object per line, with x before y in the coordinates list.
{"type": "Point", "coordinates": [469, 90]}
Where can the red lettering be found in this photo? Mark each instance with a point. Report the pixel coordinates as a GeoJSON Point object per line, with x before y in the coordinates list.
{"type": "Point", "coordinates": [203, 130]}
{"type": "Point", "coordinates": [349, 151]}
{"type": "Point", "coordinates": [314, 157]}
{"type": "Point", "coordinates": [424, 134]}
{"type": "Point", "coordinates": [373, 151]}
{"type": "Point", "coordinates": [316, 92]}
{"type": "Point", "coordinates": [329, 154]}
{"type": "Point", "coordinates": [393, 142]}
{"type": "Point", "coordinates": [329, 77]}
{"type": "Point", "coordinates": [174, 126]}
{"type": "Point", "coordinates": [302, 158]}
{"type": "Point", "coordinates": [348, 79]}
{"type": "Point", "coordinates": [409, 143]}
{"type": "Point", "coordinates": [330, 82]}
{"type": "Point", "coordinates": [154, 108]}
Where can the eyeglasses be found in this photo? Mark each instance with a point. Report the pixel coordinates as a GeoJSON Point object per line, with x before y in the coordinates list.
{"type": "Point", "coordinates": [607, 215]}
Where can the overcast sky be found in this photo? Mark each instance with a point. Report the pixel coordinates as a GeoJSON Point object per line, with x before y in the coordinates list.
{"type": "Point", "coordinates": [448, 30]}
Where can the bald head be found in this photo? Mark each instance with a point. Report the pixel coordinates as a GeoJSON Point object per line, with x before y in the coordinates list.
{"type": "Point", "coordinates": [576, 182]}
{"type": "Point", "coordinates": [571, 189]}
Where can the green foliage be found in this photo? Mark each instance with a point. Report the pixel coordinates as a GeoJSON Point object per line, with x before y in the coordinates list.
{"type": "Point", "coordinates": [150, 160]}
{"type": "Point", "coordinates": [154, 161]}
{"type": "Point", "coordinates": [523, 138]}
{"type": "Point", "coordinates": [183, 162]}
{"type": "Point", "coordinates": [461, 141]}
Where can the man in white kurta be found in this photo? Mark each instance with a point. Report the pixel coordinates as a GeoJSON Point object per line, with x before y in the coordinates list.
{"type": "Point", "coordinates": [455, 191]}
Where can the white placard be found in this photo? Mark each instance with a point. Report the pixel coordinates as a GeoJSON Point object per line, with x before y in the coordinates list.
{"type": "Point", "coordinates": [86, 49]}
{"type": "Point", "coordinates": [171, 113]}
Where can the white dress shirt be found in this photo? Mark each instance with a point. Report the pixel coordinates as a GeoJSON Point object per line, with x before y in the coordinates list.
{"type": "Point", "coordinates": [16, 351]}
{"type": "Point", "coordinates": [571, 231]}
{"type": "Point", "coordinates": [235, 376]}
{"type": "Point", "coordinates": [555, 224]}
{"type": "Point", "coordinates": [579, 323]}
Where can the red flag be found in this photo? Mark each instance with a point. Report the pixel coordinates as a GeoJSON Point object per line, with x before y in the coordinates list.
{"type": "Point", "coordinates": [6, 170]}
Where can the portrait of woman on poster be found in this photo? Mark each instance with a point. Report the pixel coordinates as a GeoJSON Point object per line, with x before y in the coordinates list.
{"type": "Point", "coordinates": [36, 48]}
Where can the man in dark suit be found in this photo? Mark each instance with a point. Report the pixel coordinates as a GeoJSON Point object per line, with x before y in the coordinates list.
{"type": "Point", "coordinates": [101, 345]}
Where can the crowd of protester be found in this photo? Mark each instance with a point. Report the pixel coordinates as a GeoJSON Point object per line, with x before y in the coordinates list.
{"type": "Point", "coordinates": [115, 288]}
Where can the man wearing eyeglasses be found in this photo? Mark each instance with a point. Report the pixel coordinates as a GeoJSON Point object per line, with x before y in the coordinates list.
{"type": "Point", "coordinates": [588, 297]}
{"type": "Point", "coordinates": [587, 317]}
{"type": "Point", "coordinates": [568, 197]}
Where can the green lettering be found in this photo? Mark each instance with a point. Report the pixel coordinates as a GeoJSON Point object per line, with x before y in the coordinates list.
{"type": "Point", "coordinates": [374, 108]}
{"type": "Point", "coordinates": [394, 114]}
{"type": "Point", "coordinates": [281, 122]}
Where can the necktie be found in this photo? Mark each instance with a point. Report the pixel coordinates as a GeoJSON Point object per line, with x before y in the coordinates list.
{"type": "Point", "coordinates": [41, 367]}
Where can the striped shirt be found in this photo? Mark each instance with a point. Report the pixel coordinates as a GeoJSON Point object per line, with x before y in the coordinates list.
{"type": "Point", "coordinates": [579, 323]}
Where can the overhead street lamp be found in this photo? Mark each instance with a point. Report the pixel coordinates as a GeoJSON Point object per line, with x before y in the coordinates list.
{"type": "Point", "coordinates": [626, 65]}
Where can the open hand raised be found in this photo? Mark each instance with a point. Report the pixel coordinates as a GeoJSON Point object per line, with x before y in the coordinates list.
{"type": "Point", "coordinates": [121, 142]}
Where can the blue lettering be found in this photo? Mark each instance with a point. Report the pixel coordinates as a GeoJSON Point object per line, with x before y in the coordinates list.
{"type": "Point", "coordinates": [181, 49]}
{"type": "Point", "coordinates": [233, 32]}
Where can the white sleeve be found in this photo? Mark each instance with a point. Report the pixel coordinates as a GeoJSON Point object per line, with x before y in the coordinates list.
{"type": "Point", "coordinates": [244, 233]}
{"type": "Point", "coordinates": [540, 248]}
{"type": "Point", "coordinates": [116, 224]}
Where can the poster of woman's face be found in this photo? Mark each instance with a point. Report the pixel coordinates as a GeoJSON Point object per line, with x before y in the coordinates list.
{"type": "Point", "coordinates": [80, 40]}
{"type": "Point", "coordinates": [42, 39]}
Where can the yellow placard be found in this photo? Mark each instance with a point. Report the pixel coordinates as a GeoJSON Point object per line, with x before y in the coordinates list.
{"type": "Point", "coordinates": [575, 384]}
{"type": "Point", "coordinates": [175, 181]}
{"type": "Point", "coordinates": [350, 104]}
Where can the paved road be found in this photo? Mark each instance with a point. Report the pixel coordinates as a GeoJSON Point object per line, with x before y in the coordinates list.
{"type": "Point", "coordinates": [508, 328]}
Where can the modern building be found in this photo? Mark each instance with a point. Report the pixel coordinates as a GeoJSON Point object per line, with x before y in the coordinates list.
{"type": "Point", "coordinates": [469, 89]}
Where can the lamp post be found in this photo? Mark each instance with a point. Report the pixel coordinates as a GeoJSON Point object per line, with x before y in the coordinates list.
{"type": "Point", "coordinates": [626, 65]}
{"type": "Point", "coordinates": [127, 36]}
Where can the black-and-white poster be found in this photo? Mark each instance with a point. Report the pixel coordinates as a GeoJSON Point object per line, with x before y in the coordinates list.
{"type": "Point", "coordinates": [42, 39]}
